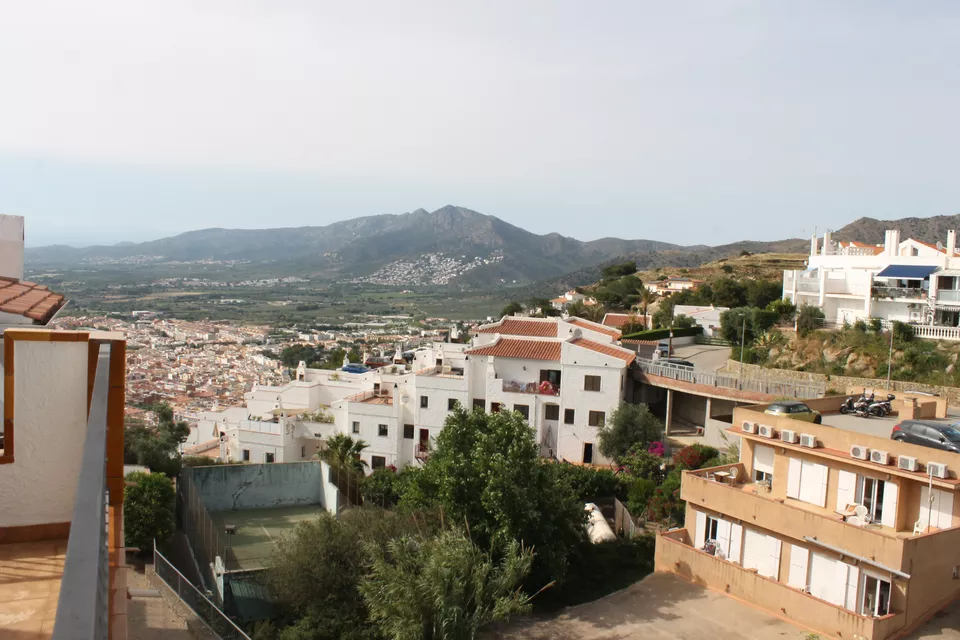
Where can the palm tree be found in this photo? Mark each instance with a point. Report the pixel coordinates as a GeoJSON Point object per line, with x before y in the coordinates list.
{"type": "Point", "coordinates": [647, 297]}
{"type": "Point", "coordinates": [343, 453]}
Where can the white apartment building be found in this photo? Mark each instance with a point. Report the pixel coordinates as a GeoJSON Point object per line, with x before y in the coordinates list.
{"type": "Point", "coordinates": [904, 280]}
{"type": "Point", "coordinates": [565, 375]}
{"type": "Point", "coordinates": [707, 317]}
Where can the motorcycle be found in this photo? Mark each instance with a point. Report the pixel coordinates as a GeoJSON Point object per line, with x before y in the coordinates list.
{"type": "Point", "coordinates": [859, 407]}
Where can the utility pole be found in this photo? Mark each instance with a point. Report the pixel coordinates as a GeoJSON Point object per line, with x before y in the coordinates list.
{"type": "Point", "coordinates": [670, 341]}
{"type": "Point", "coordinates": [743, 337]}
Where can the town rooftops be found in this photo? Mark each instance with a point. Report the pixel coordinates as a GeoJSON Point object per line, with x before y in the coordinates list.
{"type": "Point", "coordinates": [28, 299]}
{"type": "Point", "coordinates": [533, 327]}
{"type": "Point", "coordinates": [519, 348]}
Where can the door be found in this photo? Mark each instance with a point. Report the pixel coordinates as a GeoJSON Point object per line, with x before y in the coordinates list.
{"type": "Point", "coordinates": [761, 552]}
{"type": "Point", "coordinates": [936, 508]}
{"type": "Point", "coordinates": [587, 453]}
{"type": "Point", "coordinates": [799, 560]}
{"type": "Point", "coordinates": [424, 443]}
{"type": "Point", "coordinates": [875, 596]}
{"type": "Point", "coordinates": [823, 574]}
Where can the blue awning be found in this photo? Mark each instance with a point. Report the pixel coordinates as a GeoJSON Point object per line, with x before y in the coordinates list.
{"type": "Point", "coordinates": [907, 272]}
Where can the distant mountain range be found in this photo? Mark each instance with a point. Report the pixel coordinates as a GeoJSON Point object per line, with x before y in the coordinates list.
{"type": "Point", "coordinates": [362, 246]}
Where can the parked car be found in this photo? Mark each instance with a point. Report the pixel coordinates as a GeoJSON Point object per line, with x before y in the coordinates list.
{"type": "Point", "coordinates": [663, 349]}
{"type": "Point", "coordinates": [795, 410]}
{"type": "Point", "coordinates": [676, 362]}
{"type": "Point", "coordinates": [927, 433]}
{"type": "Point", "coordinates": [355, 368]}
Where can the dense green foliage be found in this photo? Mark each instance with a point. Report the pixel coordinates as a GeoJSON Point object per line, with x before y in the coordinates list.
{"type": "Point", "coordinates": [619, 270]}
{"type": "Point", "coordinates": [487, 471]}
{"type": "Point", "coordinates": [443, 587]}
{"type": "Point", "coordinates": [156, 448]}
{"type": "Point", "coordinates": [381, 488]}
{"type": "Point", "coordinates": [511, 308]}
{"type": "Point", "coordinates": [722, 292]}
{"type": "Point", "coordinates": [590, 483]}
{"type": "Point", "coordinates": [292, 356]}
{"type": "Point", "coordinates": [809, 319]}
{"type": "Point", "coordinates": [662, 334]}
{"type": "Point", "coordinates": [629, 426]}
{"type": "Point", "coordinates": [745, 322]}
{"type": "Point", "coordinates": [620, 293]}
{"type": "Point", "coordinates": [343, 453]}
{"type": "Point", "coordinates": [148, 510]}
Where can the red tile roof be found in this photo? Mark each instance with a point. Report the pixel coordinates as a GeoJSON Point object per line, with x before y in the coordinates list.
{"type": "Point", "coordinates": [28, 299]}
{"type": "Point", "coordinates": [617, 320]}
{"type": "Point", "coordinates": [606, 349]}
{"type": "Point", "coordinates": [517, 348]}
{"type": "Point", "coordinates": [534, 327]}
{"type": "Point", "coordinates": [594, 326]}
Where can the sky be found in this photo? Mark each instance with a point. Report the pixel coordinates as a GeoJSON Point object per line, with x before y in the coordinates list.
{"type": "Point", "coordinates": [688, 122]}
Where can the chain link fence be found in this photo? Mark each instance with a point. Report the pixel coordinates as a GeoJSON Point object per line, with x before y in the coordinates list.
{"type": "Point", "coordinates": [206, 610]}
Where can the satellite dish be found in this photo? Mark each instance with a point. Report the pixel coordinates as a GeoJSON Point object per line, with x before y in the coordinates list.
{"type": "Point", "coordinates": [577, 334]}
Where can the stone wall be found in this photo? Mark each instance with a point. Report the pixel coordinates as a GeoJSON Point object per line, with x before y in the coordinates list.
{"type": "Point", "coordinates": [839, 384]}
{"type": "Point", "coordinates": [257, 486]}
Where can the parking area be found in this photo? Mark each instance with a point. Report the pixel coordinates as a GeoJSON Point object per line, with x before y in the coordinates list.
{"type": "Point", "coordinates": [881, 427]}
{"type": "Point", "coordinates": [704, 357]}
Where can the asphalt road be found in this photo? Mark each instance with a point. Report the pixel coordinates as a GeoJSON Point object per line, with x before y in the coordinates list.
{"type": "Point", "coordinates": [704, 357]}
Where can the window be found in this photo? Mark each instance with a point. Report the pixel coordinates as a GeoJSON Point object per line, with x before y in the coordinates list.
{"type": "Point", "coordinates": [356, 427]}
{"type": "Point", "coordinates": [494, 407]}
{"type": "Point", "coordinates": [807, 481]}
{"type": "Point", "coordinates": [382, 430]}
{"type": "Point", "coordinates": [303, 451]}
{"type": "Point", "coordinates": [268, 457]}
{"type": "Point", "coordinates": [591, 383]}
{"type": "Point", "coordinates": [876, 596]}
{"type": "Point", "coordinates": [451, 404]}
{"type": "Point", "coordinates": [763, 458]}
{"type": "Point", "coordinates": [480, 403]}
{"type": "Point", "coordinates": [408, 432]}
{"type": "Point", "coordinates": [568, 416]}
{"type": "Point", "coordinates": [551, 412]}
{"type": "Point", "coordinates": [762, 476]}
{"type": "Point", "coordinates": [245, 454]}
{"type": "Point", "coordinates": [378, 462]}
{"type": "Point", "coordinates": [870, 495]}
{"type": "Point", "coordinates": [713, 527]}
{"type": "Point", "coordinates": [424, 402]}
{"type": "Point", "coordinates": [596, 418]}
{"type": "Point", "coordinates": [587, 453]}
{"type": "Point", "coordinates": [550, 375]}
{"type": "Point", "coordinates": [439, 362]}
{"type": "Point", "coordinates": [523, 410]}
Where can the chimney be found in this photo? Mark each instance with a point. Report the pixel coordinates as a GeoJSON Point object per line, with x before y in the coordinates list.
{"type": "Point", "coordinates": [827, 244]}
{"type": "Point", "coordinates": [11, 246]}
{"type": "Point", "coordinates": [813, 245]}
{"type": "Point", "coordinates": [891, 243]}
{"type": "Point", "coordinates": [951, 243]}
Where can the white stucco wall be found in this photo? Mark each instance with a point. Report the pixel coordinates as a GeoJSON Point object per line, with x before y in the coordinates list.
{"type": "Point", "coordinates": [50, 420]}
{"type": "Point", "coordinates": [11, 246]}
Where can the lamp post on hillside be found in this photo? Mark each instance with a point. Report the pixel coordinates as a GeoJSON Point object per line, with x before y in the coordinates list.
{"type": "Point", "coordinates": [743, 337]}
{"type": "Point", "coordinates": [890, 358]}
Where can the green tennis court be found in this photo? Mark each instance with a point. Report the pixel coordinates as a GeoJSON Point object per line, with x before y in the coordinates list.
{"type": "Point", "coordinates": [258, 530]}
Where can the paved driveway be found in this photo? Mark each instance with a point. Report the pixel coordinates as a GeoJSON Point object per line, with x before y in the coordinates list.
{"type": "Point", "coordinates": [704, 357]}
{"type": "Point", "coordinates": [663, 606]}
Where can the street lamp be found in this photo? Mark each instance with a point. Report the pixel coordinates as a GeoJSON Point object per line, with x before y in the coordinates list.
{"type": "Point", "coordinates": [890, 358]}
{"type": "Point", "coordinates": [743, 337]}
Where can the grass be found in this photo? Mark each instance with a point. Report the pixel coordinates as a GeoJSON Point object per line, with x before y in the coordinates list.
{"type": "Point", "coordinates": [600, 569]}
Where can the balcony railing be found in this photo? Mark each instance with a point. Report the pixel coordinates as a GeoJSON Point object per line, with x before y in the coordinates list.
{"type": "Point", "coordinates": [83, 607]}
{"type": "Point", "coordinates": [808, 286]}
{"type": "Point", "coordinates": [895, 293]}
{"type": "Point", "coordinates": [934, 332]}
{"type": "Point", "coordinates": [706, 378]}
{"type": "Point", "coordinates": [948, 295]}
{"type": "Point", "coordinates": [422, 452]}
{"type": "Point", "coordinates": [540, 388]}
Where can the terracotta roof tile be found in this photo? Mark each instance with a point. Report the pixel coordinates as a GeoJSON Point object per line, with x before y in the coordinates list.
{"type": "Point", "coordinates": [533, 327]}
{"type": "Point", "coordinates": [594, 326]}
{"type": "Point", "coordinates": [616, 320]}
{"type": "Point", "coordinates": [28, 299]}
{"type": "Point", "coordinates": [517, 348]}
{"type": "Point", "coordinates": [606, 349]}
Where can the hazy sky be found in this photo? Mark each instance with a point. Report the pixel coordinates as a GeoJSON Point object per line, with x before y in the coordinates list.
{"type": "Point", "coordinates": [688, 122]}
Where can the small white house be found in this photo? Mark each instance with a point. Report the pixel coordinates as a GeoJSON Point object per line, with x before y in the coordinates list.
{"type": "Point", "coordinates": [706, 317]}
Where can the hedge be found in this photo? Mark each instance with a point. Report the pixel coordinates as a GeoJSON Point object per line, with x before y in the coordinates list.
{"type": "Point", "coordinates": [660, 334]}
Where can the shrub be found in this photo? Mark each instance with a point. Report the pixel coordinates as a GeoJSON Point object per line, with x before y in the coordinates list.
{"type": "Point", "coordinates": [628, 426]}
{"type": "Point", "coordinates": [694, 456]}
{"type": "Point", "coordinates": [639, 495]}
{"type": "Point", "coordinates": [665, 504]}
{"type": "Point", "coordinates": [876, 325]}
{"type": "Point", "coordinates": [200, 461]}
{"type": "Point", "coordinates": [902, 332]}
{"type": "Point", "coordinates": [683, 322]}
{"type": "Point", "coordinates": [662, 334]}
{"type": "Point", "coordinates": [656, 448]}
{"type": "Point", "coordinates": [809, 319]}
{"type": "Point", "coordinates": [381, 488]}
{"type": "Point", "coordinates": [591, 482]}
{"type": "Point", "coordinates": [860, 326]}
{"type": "Point", "coordinates": [148, 510]}
{"type": "Point", "coordinates": [641, 464]}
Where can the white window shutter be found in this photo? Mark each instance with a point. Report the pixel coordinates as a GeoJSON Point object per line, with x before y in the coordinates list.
{"type": "Point", "coordinates": [763, 458]}
{"type": "Point", "coordinates": [853, 579]}
{"type": "Point", "coordinates": [927, 508]}
{"type": "Point", "coordinates": [701, 530]}
{"type": "Point", "coordinates": [890, 491]}
{"type": "Point", "coordinates": [723, 539]}
{"type": "Point", "coordinates": [824, 474]}
{"type": "Point", "coordinates": [793, 478]}
{"type": "Point", "coordinates": [847, 489]}
{"type": "Point", "coordinates": [838, 588]}
{"type": "Point", "coordinates": [944, 509]}
{"type": "Point", "coordinates": [798, 567]}
{"type": "Point", "coordinates": [774, 566]}
{"type": "Point", "coordinates": [736, 543]}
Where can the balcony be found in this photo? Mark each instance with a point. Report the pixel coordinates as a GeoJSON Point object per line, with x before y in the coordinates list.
{"type": "Point", "coordinates": [751, 503]}
{"type": "Point", "coordinates": [442, 372]}
{"type": "Point", "coordinates": [936, 332]}
{"type": "Point", "coordinates": [537, 388]}
{"type": "Point", "coordinates": [949, 296]}
{"type": "Point", "coordinates": [808, 286]}
{"type": "Point", "coordinates": [899, 293]}
{"type": "Point", "coordinates": [62, 556]}
{"type": "Point", "coordinates": [675, 554]}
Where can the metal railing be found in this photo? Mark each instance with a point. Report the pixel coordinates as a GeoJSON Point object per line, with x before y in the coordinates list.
{"type": "Point", "coordinates": [208, 613]}
{"type": "Point", "coordinates": [768, 387]}
{"type": "Point", "coordinates": [83, 608]}
{"type": "Point", "coordinates": [515, 386]}
{"type": "Point", "coordinates": [910, 293]}
{"type": "Point", "coordinates": [202, 533]}
{"type": "Point", "coordinates": [948, 295]}
{"type": "Point", "coordinates": [807, 286]}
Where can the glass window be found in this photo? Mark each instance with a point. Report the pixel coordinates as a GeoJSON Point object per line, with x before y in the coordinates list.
{"type": "Point", "coordinates": [378, 462]}
{"type": "Point", "coordinates": [408, 431]}
{"type": "Point", "coordinates": [451, 404]}
{"type": "Point", "coordinates": [551, 412]}
{"type": "Point", "coordinates": [424, 402]}
{"type": "Point", "coordinates": [591, 383]}
{"type": "Point", "coordinates": [268, 457]}
{"type": "Point", "coordinates": [523, 410]}
{"type": "Point", "coordinates": [568, 416]}
{"type": "Point", "coordinates": [876, 597]}
{"type": "Point", "coordinates": [382, 430]}
{"type": "Point", "coordinates": [246, 455]}
{"type": "Point", "coordinates": [356, 427]}
{"type": "Point", "coordinates": [596, 418]}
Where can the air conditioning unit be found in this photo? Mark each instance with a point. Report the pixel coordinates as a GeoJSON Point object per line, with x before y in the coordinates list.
{"type": "Point", "coordinates": [749, 427]}
{"type": "Point", "coordinates": [765, 430]}
{"type": "Point", "coordinates": [859, 452]}
{"type": "Point", "coordinates": [788, 436]}
{"type": "Point", "coordinates": [808, 440]}
{"type": "Point", "coordinates": [879, 457]}
{"type": "Point", "coordinates": [907, 463]}
{"type": "Point", "coordinates": [937, 470]}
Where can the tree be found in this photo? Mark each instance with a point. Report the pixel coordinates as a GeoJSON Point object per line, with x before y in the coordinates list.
{"type": "Point", "coordinates": [443, 588]}
{"type": "Point", "coordinates": [727, 292]}
{"type": "Point", "coordinates": [148, 510]}
{"type": "Point", "coordinates": [381, 488]}
{"type": "Point", "coordinates": [592, 312]}
{"type": "Point", "coordinates": [542, 307]}
{"type": "Point", "coordinates": [784, 309]}
{"type": "Point", "coordinates": [760, 293]}
{"type": "Point", "coordinates": [619, 270]}
{"type": "Point", "coordinates": [683, 322]}
{"type": "Point", "coordinates": [486, 470]}
{"type": "Point", "coordinates": [733, 328]}
{"type": "Point", "coordinates": [647, 297]}
{"type": "Point", "coordinates": [809, 319]}
{"type": "Point", "coordinates": [343, 453]}
{"type": "Point", "coordinates": [511, 308]}
{"type": "Point", "coordinates": [628, 426]}
{"type": "Point", "coordinates": [619, 294]}
{"type": "Point", "coordinates": [157, 448]}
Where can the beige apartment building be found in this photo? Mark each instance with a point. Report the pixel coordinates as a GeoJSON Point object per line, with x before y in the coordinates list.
{"type": "Point", "coordinates": [846, 534]}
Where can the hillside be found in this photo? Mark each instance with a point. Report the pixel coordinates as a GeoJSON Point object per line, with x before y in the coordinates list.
{"type": "Point", "coordinates": [871, 230]}
{"type": "Point", "coordinates": [362, 246]}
